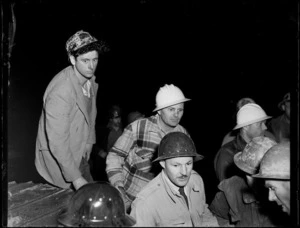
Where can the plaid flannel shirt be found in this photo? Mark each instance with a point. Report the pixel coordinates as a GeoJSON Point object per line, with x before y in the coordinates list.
{"type": "Point", "coordinates": [129, 162]}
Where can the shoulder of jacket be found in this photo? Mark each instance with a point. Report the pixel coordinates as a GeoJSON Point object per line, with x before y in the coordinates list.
{"type": "Point", "coordinates": [150, 190]}
{"type": "Point", "coordinates": [196, 177]}
{"type": "Point", "coordinates": [63, 77]}
{"type": "Point", "coordinates": [230, 183]}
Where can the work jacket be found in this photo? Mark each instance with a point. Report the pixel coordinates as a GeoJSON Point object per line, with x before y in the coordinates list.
{"type": "Point", "coordinates": [159, 205]}
{"type": "Point", "coordinates": [66, 125]}
{"type": "Point", "coordinates": [280, 128]}
{"type": "Point", "coordinates": [223, 162]}
{"type": "Point", "coordinates": [236, 203]}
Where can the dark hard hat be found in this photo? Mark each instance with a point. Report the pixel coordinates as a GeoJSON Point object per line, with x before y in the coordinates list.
{"type": "Point", "coordinates": [132, 116]}
{"type": "Point", "coordinates": [276, 162]}
{"type": "Point", "coordinates": [177, 144]}
{"type": "Point", "coordinates": [115, 112]}
{"type": "Point", "coordinates": [95, 204]}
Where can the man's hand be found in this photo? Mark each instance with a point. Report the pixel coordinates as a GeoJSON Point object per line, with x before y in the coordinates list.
{"type": "Point", "coordinates": [125, 198]}
{"type": "Point", "coordinates": [79, 182]}
{"type": "Point", "coordinates": [102, 153]}
{"type": "Point", "coordinates": [88, 151]}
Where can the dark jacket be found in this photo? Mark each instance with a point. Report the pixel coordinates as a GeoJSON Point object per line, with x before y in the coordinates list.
{"type": "Point", "coordinates": [237, 204]}
{"type": "Point", "coordinates": [223, 162]}
{"type": "Point", "coordinates": [280, 128]}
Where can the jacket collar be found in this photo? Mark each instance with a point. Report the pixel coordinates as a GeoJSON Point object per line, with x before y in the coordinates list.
{"type": "Point", "coordinates": [172, 190]}
{"type": "Point", "coordinates": [79, 94]}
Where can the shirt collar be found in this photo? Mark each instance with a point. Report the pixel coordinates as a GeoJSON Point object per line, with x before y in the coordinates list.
{"type": "Point", "coordinates": [86, 88]}
{"type": "Point", "coordinates": [173, 187]}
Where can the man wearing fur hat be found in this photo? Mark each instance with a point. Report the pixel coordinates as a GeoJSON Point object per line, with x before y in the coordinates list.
{"type": "Point", "coordinates": [66, 131]}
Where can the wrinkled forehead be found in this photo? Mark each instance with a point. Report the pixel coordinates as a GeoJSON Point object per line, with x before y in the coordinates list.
{"type": "Point", "coordinates": [179, 160]}
{"type": "Point", "coordinates": [89, 55]}
{"type": "Point", "coordinates": [176, 106]}
{"type": "Point", "coordinates": [271, 183]}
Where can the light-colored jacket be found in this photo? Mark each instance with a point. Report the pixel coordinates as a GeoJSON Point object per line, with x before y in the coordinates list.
{"type": "Point", "coordinates": [159, 205]}
{"type": "Point", "coordinates": [65, 127]}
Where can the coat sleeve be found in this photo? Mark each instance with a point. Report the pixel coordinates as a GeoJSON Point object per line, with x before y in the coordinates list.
{"type": "Point", "coordinates": [58, 105]}
{"type": "Point", "coordinates": [117, 156]}
{"type": "Point", "coordinates": [208, 218]}
{"type": "Point", "coordinates": [222, 162]}
{"type": "Point", "coordinates": [219, 206]}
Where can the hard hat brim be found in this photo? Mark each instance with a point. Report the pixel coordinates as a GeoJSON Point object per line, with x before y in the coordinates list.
{"type": "Point", "coordinates": [197, 157]}
{"type": "Point", "coordinates": [171, 103]}
{"type": "Point", "coordinates": [275, 177]}
{"type": "Point", "coordinates": [251, 122]}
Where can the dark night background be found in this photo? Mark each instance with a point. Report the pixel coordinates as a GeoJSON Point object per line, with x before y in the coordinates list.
{"type": "Point", "coordinates": [215, 51]}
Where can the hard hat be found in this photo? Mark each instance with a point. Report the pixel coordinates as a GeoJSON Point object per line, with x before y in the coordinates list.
{"type": "Point", "coordinates": [177, 144]}
{"type": "Point", "coordinates": [115, 112]}
{"type": "Point", "coordinates": [169, 95]}
{"type": "Point", "coordinates": [95, 204]}
{"type": "Point", "coordinates": [249, 114]}
{"type": "Point", "coordinates": [276, 162]}
{"type": "Point", "coordinates": [81, 39]}
{"type": "Point", "coordinates": [249, 159]}
{"type": "Point", "coordinates": [243, 101]}
{"type": "Point", "coordinates": [132, 116]}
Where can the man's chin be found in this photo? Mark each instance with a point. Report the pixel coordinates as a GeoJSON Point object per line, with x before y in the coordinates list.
{"type": "Point", "coordinates": [285, 209]}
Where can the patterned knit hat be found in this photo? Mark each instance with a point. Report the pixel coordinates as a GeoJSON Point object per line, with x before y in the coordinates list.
{"type": "Point", "coordinates": [79, 40]}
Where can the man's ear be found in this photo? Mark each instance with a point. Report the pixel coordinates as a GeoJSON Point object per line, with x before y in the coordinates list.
{"type": "Point", "coordinates": [162, 163]}
{"type": "Point", "coordinates": [72, 60]}
{"type": "Point", "coordinates": [159, 112]}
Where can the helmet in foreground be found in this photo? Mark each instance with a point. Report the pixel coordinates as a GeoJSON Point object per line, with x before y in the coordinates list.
{"type": "Point", "coordinates": [276, 163]}
{"type": "Point", "coordinates": [177, 144]}
{"type": "Point", "coordinates": [249, 159]}
{"type": "Point", "coordinates": [96, 204]}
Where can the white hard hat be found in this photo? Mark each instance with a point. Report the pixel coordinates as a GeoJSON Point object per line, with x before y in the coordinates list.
{"type": "Point", "coordinates": [169, 95]}
{"type": "Point", "coordinates": [249, 114]}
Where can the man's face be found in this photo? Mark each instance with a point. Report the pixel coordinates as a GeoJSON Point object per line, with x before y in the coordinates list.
{"type": "Point", "coordinates": [279, 191]}
{"type": "Point", "coordinates": [178, 169]}
{"type": "Point", "coordinates": [116, 121]}
{"type": "Point", "coordinates": [85, 64]}
{"type": "Point", "coordinates": [256, 129]}
{"type": "Point", "coordinates": [171, 115]}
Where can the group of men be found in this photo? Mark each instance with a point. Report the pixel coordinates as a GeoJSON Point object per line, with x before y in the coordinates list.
{"type": "Point", "coordinates": [151, 163]}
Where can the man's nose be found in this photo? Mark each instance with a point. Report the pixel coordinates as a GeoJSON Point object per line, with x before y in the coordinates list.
{"type": "Point", "coordinates": [183, 170]}
{"type": "Point", "coordinates": [272, 196]}
{"type": "Point", "coordinates": [176, 113]}
{"type": "Point", "coordinates": [91, 65]}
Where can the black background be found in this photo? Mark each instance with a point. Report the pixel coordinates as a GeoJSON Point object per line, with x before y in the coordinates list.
{"type": "Point", "coordinates": [215, 51]}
